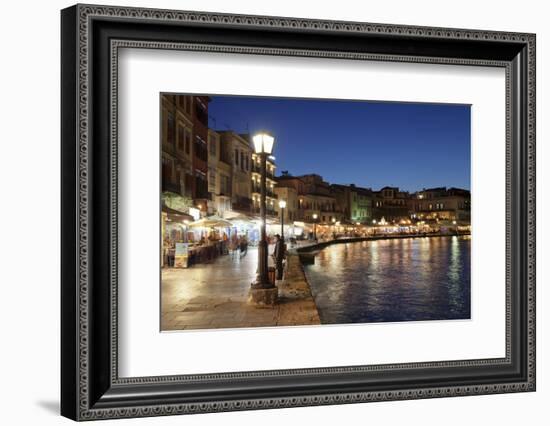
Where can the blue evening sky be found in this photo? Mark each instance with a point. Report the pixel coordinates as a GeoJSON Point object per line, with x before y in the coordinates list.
{"type": "Point", "coordinates": [371, 144]}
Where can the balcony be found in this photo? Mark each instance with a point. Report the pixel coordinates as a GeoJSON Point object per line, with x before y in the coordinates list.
{"type": "Point", "coordinates": [171, 187]}
{"type": "Point", "coordinates": [257, 169]}
{"type": "Point", "coordinates": [242, 204]}
{"type": "Point", "coordinates": [269, 211]}
{"type": "Point", "coordinates": [202, 117]}
{"type": "Point", "coordinates": [256, 189]}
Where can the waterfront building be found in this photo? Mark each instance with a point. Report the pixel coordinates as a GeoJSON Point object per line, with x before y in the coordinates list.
{"type": "Point", "coordinates": [391, 204]}
{"type": "Point", "coordinates": [448, 204]}
{"type": "Point", "coordinates": [236, 150]}
{"type": "Point", "coordinates": [354, 202]}
{"type": "Point", "coordinates": [183, 165]}
{"type": "Point", "coordinates": [291, 211]}
{"type": "Point", "coordinates": [361, 204]}
{"type": "Point", "coordinates": [219, 176]}
{"type": "Point", "coordinates": [177, 127]}
{"type": "Point", "coordinates": [315, 198]}
{"type": "Point", "coordinates": [201, 195]}
{"type": "Point", "coordinates": [286, 180]}
{"type": "Point", "coordinates": [324, 206]}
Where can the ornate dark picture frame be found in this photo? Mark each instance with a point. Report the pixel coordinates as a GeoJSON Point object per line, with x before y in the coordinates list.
{"type": "Point", "coordinates": [91, 387]}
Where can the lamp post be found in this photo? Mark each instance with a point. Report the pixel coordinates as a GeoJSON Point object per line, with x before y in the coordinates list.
{"type": "Point", "coordinates": [280, 252]}
{"type": "Point", "coordinates": [262, 291]}
{"type": "Point", "coordinates": [456, 227]}
{"type": "Point", "coordinates": [282, 206]}
{"type": "Point", "coordinates": [315, 226]}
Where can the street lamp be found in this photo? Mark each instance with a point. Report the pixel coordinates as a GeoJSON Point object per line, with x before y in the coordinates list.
{"type": "Point", "coordinates": [456, 227]}
{"type": "Point", "coordinates": [262, 290]}
{"type": "Point", "coordinates": [315, 226]}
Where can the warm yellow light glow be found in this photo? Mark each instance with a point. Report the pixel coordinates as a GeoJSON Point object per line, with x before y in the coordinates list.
{"type": "Point", "coordinates": [315, 216]}
{"type": "Point", "coordinates": [263, 143]}
{"type": "Point", "coordinates": [282, 204]}
{"type": "Point", "coordinates": [333, 220]}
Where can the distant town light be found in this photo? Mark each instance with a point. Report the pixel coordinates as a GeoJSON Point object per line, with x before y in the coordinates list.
{"type": "Point", "coordinates": [263, 143]}
{"type": "Point", "coordinates": [314, 216]}
{"type": "Point", "coordinates": [374, 221]}
{"type": "Point", "coordinates": [333, 220]}
{"type": "Point", "coordinates": [282, 204]}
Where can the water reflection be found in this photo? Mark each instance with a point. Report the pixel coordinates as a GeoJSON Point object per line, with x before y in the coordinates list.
{"type": "Point", "coordinates": [392, 280]}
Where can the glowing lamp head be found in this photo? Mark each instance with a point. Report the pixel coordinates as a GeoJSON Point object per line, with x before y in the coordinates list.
{"type": "Point", "coordinates": [333, 220]}
{"type": "Point", "coordinates": [263, 143]}
{"type": "Point", "coordinates": [314, 216]}
{"type": "Point", "coordinates": [282, 204]}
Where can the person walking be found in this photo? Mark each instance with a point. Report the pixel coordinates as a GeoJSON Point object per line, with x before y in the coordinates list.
{"type": "Point", "coordinates": [243, 246]}
{"type": "Point", "coordinates": [279, 254]}
{"type": "Point", "coordinates": [233, 245]}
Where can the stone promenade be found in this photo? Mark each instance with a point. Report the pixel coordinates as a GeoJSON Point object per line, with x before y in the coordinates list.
{"type": "Point", "coordinates": [214, 295]}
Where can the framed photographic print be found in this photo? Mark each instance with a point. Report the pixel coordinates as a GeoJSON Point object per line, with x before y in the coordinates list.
{"type": "Point", "coordinates": [263, 212]}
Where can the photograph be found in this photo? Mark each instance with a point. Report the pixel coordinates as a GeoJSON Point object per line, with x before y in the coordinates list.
{"type": "Point", "coordinates": [265, 208]}
{"type": "Point", "coordinates": [278, 212]}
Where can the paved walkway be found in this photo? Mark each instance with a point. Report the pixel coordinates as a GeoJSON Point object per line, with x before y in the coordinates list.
{"type": "Point", "coordinates": [214, 295]}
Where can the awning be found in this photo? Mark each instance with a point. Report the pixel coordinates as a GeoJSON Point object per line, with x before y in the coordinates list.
{"type": "Point", "coordinates": [176, 215]}
{"type": "Point", "coordinates": [210, 222]}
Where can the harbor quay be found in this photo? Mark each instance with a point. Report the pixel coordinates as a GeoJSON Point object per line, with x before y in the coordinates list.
{"type": "Point", "coordinates": [214, 295]}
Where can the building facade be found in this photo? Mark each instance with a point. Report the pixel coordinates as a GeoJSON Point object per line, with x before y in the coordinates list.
{"type": "Point", "coordinates": [450, 204]}
{"type": "Point", "coordinates": [390, 204]}
{"type": "Point", "coordinates": [219, 176]}
{"type": "Point", "coordinates": [291, 211]}
{"type": "Point", "coordinates": [236, 151]}
{"type": "Point", "coordinates": [177, 129]}
{"type": "Point", "coordinates": [271, 196]}
{"type": "Point", "coordinates": [316, 200]}
{"type": "Point", "coordinates": [354, 202]}
{"type": "Point", "coordinates": [201, 195]}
